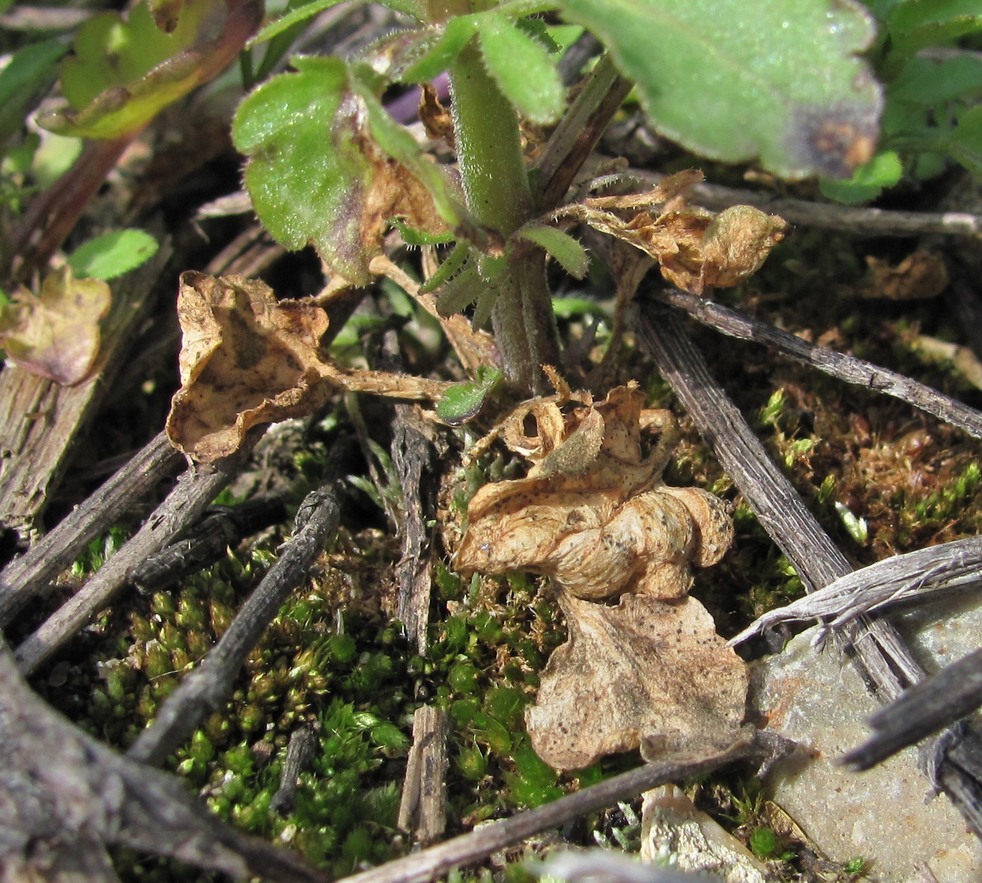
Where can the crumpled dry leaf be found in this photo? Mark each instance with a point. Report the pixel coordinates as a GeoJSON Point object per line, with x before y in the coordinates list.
{"type": "Point", "coordinates": [56, 335]}
{"type": "Point", "coordinates": [695, 248]}
{"type": "Point", "coordinates": [248, 359]}
{"type": "Point", "coordinates": [644, 670]}
{"type": "Point", "coordinates": [594, 515]}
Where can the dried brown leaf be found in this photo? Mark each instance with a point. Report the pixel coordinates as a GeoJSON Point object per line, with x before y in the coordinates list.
{"type": "Point", "coordinates": [591, 512]}
{"type": "Point", "coordinates": [922, 274]}
{"type": "Point", "coordinates": [248, 359]}
{"type": "Point", "coordinates": [594, 515]}
{"type": "Point", "coordinates": [694, 248]}
{"type": "Point", "coordinates": [56, 334]}
{"type": "Point", "coordinates": [245, 360]}
{"type": "Point", "coordinates": [646, 670]}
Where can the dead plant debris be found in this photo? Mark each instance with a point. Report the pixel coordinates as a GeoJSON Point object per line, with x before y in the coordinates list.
{"type": "Point", "coordinates": [594, 514]}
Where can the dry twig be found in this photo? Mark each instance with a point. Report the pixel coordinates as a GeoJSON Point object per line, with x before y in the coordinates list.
{"type": "Point", "coordinates": [929, 571]}
{"type": "Point", "coordinates": [64, 796]}
{"type": "Point", "coordinates": [858, 372]}
{"type": "Point", "coordinates": [195, 490]}
{"type": "Point", "coordinates": [860, 221]}
{"type": "Point", "coordinates": [211, 684]}
{"type": "Point", "coordinates": [479, 844]}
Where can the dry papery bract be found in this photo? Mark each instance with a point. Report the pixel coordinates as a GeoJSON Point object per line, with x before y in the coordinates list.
{"type": "Point", "coordinates": [695, 248]}
{"type": "Point", "coordinates": [248, 359]}
{"type": "Point", "coordinates": [594, 514]}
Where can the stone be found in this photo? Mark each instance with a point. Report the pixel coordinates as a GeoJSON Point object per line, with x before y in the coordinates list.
{"type": "Point", "coordinates": [887, 815]}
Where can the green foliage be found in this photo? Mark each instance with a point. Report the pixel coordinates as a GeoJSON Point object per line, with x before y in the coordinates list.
{"type": "Point", "coordinates": [28, 73]}
{"type": "Point", "coordinates": [112, 254]}
{"type": "Point", "coordinates": [319, 142]}
{"type": "Point", "coordinates": [123, 71]}
{"type": "Point", "coordinates": [727, 80]}
{"type": "Point", "coordinates": [464, 401]}
{"type": "Point", "coordinates": [932, 114]}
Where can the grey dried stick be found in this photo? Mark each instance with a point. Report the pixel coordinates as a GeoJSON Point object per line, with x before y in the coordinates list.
{"type": "Point", "coordinates": [432, 863]}
{"type": "Point", "coordinates": [858, 220]}
{"type": "Point", "coordinates": [195, 490]}
{"type": "Point", "coordinates": [948, 696]}
{"type": "Point", "coordinates": [733, 323]}
{"type": "Point", "coordinates": [29, 575]}
{"type": "Point", "coordinates": [922, 572]}
{"type": "Point", "coordinates": [211, 684]}
{"type": "Point", "coordinates": [64, 796]}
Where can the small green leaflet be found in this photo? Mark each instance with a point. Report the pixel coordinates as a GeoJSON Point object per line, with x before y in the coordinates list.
{"type": "Point", "coordinates": [112, 254]}
{"type": "Point", "coordinates": [463, 401]}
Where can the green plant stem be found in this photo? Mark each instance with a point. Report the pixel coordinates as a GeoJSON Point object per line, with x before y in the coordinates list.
{"type": "Point", "coordinates": [498, 194]}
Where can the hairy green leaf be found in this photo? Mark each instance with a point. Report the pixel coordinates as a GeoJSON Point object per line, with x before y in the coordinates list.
{"type": "Point", "coordinates": [437, 50]}
{"type": "Point", "coordinates": [569, 252]}
{"type": "Point", "coordinates": [739, 79]}
{"type": "Point", "coordinates": [112, 254]}
{"type": "Point", "coordinates": [326, 166]}
{"type": "Point", "coordinates": [463, 401]}
{"type": "Point", "coordinates": [522, 68]}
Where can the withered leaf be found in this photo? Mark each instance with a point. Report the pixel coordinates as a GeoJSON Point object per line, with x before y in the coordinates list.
{"type": "Point", "coordinates": [694, 248]}
{"type": "Point", "coordinates": [644, 670]}
{"type": "Point", "coordinates": [594, 514]}
{"type": "Point", "coordinates": [591, 512]}
{"type": "Point", "coordinates": [249, 359]}
{"type": "Point", "coordinates": [245, 359]}
{"type": "Point", "coordinates": [922, 274]}
{"type": "Point", "coordinates": [56, 334]}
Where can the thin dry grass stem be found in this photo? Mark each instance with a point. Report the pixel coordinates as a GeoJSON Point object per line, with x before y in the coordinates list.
{"type": "Point", "coordinates": [921, 573]}
{"type": "Point", "coordinates": [210, 685]}
{"type": "Point", "coordinates": [195, 490]}
{"type": "Point", "coordinates": [849, 369]}
{"type": "Point", "coordinates": [29, 576]}
{"type": "Point", "coordinates": [432, 863]}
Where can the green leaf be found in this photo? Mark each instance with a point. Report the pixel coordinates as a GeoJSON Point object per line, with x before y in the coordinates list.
{"type": "Point", "coordinates": [454, 261]}
{"type": "Point", "coordinates": [29, 72]}
{"type": "Point", "coordinates": [522, 68]}
{"type": "Point", "coordinates": [112, 254]}
{"type": "Point", "coordinates": [569, 252]}
{"type": "Point", "coordinates": [933, 81]}
{"type": "Point", "coordinates": [965, 141]}
{"type": "Point", "coordinates": [868, 181]}
{"type": "Point", "coordinates": [738, 79]}
{"type": "Point", "coordinates": [318, 171]}
{"type": "Point", "coordinates": [436, 53]}
{"type": "Point", "coordinates": [463, 401]}
{"type": "Point", "coordinates": [919, 23]}
{"type": "Point", "coordinates": [297, 14]}
{"type": "Point", "coordinates": [125, 71]}
{"type": "Point", "coordinates": [396, 140]}
{"type": "Point", "coordinates": [461, 291]}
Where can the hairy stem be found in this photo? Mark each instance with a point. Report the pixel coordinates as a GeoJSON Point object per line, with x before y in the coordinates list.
{"type": "Point", "coordinates": [497, 189]}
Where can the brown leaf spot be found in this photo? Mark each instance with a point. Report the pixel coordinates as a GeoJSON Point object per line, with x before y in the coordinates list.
{"type": "Point", "coordinates": [836, 140]}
